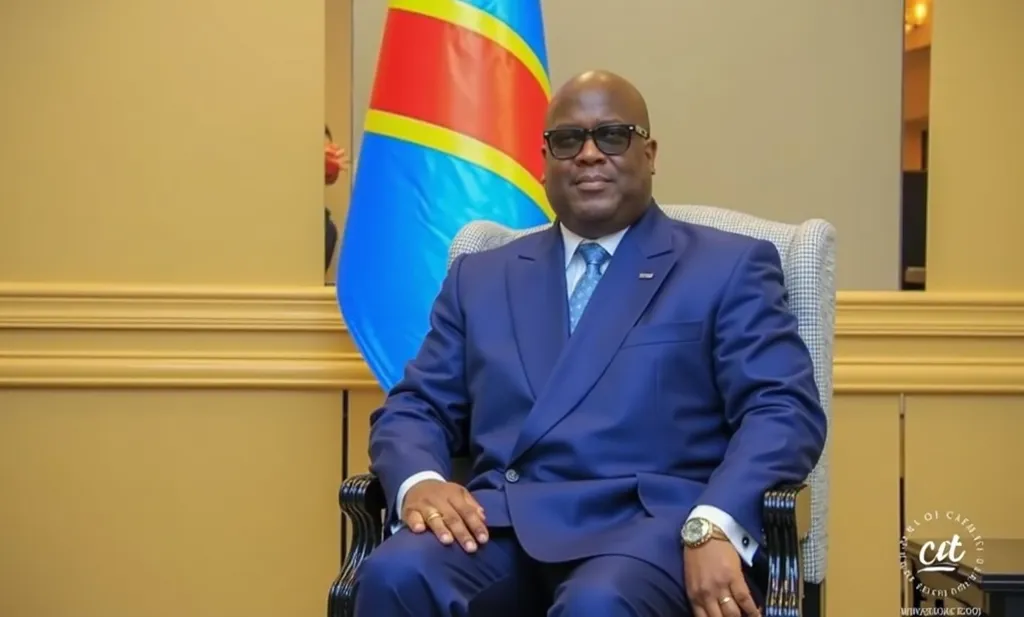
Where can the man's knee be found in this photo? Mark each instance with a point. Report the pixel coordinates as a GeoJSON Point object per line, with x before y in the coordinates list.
{"type": "Point", "coordinates": [615, 586]}
{"type": "Point", "coordinates": [587, 599]}
{"type": "Point", "coordinates": [396, 566]}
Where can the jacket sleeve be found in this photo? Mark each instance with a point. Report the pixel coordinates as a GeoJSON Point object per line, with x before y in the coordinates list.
{"type": "Point", "coordinates": [766, 377]}
{"type": "Point", "coordinates": [423, 421]}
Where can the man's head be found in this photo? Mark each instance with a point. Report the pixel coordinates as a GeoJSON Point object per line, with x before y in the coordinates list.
{"type": "Point", "coordinates": [599, 157]}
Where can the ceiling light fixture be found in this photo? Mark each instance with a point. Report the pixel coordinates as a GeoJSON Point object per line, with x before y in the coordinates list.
{"type": "Point", "coordinates": [916, 14]}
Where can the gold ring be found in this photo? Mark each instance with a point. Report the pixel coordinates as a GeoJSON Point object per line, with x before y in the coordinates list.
{"type": "Point", "coordinates": [433, 515]}
{"type": "Point", "coordinates": [724, 600]}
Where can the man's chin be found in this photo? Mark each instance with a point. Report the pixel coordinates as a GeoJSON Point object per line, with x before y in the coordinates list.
{"type": "Point", "coordinates": [596, 207]}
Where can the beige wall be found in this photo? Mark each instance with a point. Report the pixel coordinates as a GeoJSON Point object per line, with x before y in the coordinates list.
{"type": "Point", "coordinates": [147, 106]}
{"type": "Point", "coordinates": [338, 104]}
{"type": "Point", "coordinates": [788, 114]}
{"type": "Point", "coordinates": [976, 130]}
{"type": "Point", "coordinates": [169, 443]}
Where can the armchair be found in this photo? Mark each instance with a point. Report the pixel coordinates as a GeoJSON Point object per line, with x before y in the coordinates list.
{"type": "Point", "coordinates": [794, 516]}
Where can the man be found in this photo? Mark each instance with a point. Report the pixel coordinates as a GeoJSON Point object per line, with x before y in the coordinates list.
{"type": "Point", "coordinates": [335, 162]}
{"type": "Point", "coordinates": [611, 378]}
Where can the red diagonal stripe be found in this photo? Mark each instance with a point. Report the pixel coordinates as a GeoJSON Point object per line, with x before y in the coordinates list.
{"type": "Point", "coordinates": [440, 73]}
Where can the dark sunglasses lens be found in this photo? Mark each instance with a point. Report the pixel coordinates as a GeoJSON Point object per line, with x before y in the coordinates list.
{"type": "Point", "coordinates": [612, 140]}
{"type": "Point", "coordinates": [566, 143]}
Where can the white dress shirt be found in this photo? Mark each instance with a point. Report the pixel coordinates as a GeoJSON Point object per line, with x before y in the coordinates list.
{"type": "Point", "coordinates": [575, 268]}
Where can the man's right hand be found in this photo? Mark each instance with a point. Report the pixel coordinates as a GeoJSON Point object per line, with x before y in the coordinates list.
{"type": "Point", "coordinates": [448, 510]}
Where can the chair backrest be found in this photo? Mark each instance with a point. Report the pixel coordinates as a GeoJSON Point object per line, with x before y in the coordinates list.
{"type": "Point", "coordinates": [808, 260]}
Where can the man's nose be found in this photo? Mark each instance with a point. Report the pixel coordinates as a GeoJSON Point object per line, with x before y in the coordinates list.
{"type": "Point", "coordinates": [590, 153]}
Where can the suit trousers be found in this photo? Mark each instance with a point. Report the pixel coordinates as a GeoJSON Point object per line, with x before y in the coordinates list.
{"type": "Point", "coordinates": [414, 575]}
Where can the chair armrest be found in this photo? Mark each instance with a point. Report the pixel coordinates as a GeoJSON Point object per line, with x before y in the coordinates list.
{"type": "Point", "coordinates": [787, 521]}
{"type": "Point", "coordinates": [362, 500]}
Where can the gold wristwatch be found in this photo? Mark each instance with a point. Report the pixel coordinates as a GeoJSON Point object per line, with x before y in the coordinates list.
{"type": "Point", "coordinates": [698, 531]}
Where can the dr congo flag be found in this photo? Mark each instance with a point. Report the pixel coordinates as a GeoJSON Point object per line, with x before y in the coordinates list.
{"type": "Point", "coordinates": [453, 134]}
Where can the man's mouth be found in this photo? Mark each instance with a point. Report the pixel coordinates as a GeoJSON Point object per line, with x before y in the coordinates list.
{"type": "Point", "coordinates": [592, 182]}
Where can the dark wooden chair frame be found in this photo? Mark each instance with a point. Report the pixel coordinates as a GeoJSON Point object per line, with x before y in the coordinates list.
{"type": "Point", "coordinates": [787, 518]}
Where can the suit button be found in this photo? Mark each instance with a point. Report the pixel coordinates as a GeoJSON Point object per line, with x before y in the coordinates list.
{"type": "Point", "coordinates": [512, 476]}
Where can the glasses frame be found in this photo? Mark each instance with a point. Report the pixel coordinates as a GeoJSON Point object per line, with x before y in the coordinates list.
{"type": "Point", "coordinates": [588, 135]}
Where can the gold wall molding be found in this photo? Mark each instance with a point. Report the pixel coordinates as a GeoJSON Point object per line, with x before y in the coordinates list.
{"type": "Point", "coordinates": [77, 336]}
{"type": "Point", "coordinates": [921, 342]}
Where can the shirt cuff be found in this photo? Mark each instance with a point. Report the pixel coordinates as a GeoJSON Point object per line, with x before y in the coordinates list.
{"type": "Point", "coordinates": [745, 545]}
{"type": "Point", "coordinates": [415, 478]}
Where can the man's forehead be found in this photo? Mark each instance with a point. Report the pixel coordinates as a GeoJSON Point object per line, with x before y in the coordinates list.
{"type": "Point", "coordinates": [589, 104]}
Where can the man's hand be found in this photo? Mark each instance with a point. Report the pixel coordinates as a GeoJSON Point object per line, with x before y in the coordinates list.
{"type": "Point", "coordinates": [713, 573]}
{"type": "Point", "coordinates": [343, 160]}
{"type": "Point", "coordinates": [448, 510]}
{"type": "Point", "coordinates": [335, 162]}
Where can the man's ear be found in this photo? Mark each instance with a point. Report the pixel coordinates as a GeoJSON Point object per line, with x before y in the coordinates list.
{"type": "Point", "coordinates": [651, 151]}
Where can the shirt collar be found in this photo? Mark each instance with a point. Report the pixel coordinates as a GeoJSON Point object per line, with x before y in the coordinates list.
{"type": "Point", "coordinates": [573, 240]}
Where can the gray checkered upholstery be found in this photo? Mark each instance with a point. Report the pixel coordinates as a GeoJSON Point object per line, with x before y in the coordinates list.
{"type": "Point", "coordinates": [808, 259]}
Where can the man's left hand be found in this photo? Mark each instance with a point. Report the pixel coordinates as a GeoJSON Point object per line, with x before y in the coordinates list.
{"type": "Point", "coordinates": [715, 583]}
{"type": "Point", "coordinates": [335, 162]}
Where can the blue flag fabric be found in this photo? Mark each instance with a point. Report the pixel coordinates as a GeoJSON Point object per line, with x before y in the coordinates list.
{"type": "Point", "coordinates": [453, 134]}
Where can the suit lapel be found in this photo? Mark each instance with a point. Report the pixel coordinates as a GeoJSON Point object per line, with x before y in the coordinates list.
{"type": "Point", "coordinates": [640, 266]}
{"type": "Point", "coordinates": [540, 311]}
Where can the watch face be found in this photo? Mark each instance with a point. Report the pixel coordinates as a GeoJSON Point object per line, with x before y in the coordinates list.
{"type": "Point", "coordinates": [695, 530]}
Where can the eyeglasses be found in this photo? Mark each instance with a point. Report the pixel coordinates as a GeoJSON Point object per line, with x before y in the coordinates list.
{"type": "Point", "coordinates": [611, 139]}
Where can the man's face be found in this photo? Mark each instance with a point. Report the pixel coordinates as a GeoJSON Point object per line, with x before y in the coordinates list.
{"type": "Point", "coordinates": [597, 182]}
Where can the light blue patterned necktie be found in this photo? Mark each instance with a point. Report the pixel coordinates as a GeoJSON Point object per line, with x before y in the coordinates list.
{"type": "Point", "coordinates": [594, 256]}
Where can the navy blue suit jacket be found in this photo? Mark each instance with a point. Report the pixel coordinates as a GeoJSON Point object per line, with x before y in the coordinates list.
{"type": "Point", "coordinates": [684, 383]}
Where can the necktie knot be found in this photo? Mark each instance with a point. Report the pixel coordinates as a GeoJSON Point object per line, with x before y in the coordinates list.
{"type": "Point", "coordinates": [593, 254]}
